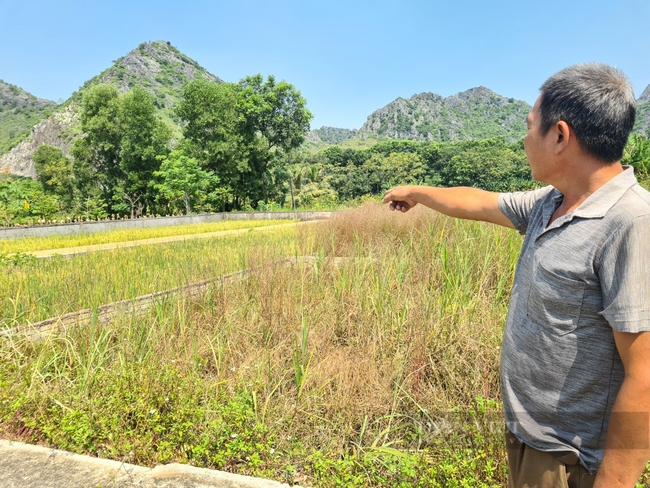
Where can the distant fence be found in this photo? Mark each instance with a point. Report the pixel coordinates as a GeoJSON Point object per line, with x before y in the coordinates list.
{"type": "Point", "coordinates": [146, 222]}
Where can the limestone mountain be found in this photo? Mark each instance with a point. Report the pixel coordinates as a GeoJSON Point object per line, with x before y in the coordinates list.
{"type": "Point", "coordinates": [477, 113]}
{"type": "Point", "coordinates": [642, 124]}
{"type": "Point", "coordinates": [19, 112]}
{"type": "Point", "coordinates": [330, 135]}
{"type": "Point", "coordinates": [157, 66]}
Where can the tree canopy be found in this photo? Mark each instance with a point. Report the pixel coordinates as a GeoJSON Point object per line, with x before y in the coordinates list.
{"type": "Point", "coordinates": [116, 158]}
{"type": "Point", "coordinates": [240, 132]}
{"type": "Point", "coordinates": [241, 149]}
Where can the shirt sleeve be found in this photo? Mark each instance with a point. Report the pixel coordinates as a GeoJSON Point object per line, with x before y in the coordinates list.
{"type": "Point", "coordinates": [518, 206]}
{"type": "Point", "coordinates": [625, 277]}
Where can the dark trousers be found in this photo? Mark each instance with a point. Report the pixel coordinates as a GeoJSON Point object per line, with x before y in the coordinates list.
{"type": "Point", "coordinates": [530, 468]}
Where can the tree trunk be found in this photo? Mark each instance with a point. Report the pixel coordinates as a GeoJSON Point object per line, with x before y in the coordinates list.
{"type": "Point", "coordinates": [293, 201]}
{"type": "Point", "coordinates": [186, 199]}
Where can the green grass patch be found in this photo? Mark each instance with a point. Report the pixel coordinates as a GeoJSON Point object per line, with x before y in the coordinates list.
{"type": "Point", "coordinates": [36, 289]}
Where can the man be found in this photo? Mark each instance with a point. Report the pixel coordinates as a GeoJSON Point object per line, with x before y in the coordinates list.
{"type": "Point", "coordinates": [575, 362]}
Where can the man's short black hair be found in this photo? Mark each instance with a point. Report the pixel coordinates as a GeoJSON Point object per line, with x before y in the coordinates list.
{"type": "Point", "coordinates": [597, 102]}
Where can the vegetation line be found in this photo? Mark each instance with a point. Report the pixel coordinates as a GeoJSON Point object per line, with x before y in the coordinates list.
{"type": "Point", "coordinates": [67, 251]}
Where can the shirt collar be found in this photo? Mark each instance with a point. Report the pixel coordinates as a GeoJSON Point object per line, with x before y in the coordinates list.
{"type": "Point", "coordinates": [599, 202]}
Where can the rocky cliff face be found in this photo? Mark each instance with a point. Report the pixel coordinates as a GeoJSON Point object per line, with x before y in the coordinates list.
{"type": "Point", "coordinates": [157, 66]}
{"type": "Point", "coordinates": [19, 111]}
{"type": "Point", "coordinates": [477, 113]}
{"type": "Point", "coordinates": [330, 135]}
{"type": "Point", "coordinates": [642, 124]}
{"type": "Point", "coordinates": [56, 130]}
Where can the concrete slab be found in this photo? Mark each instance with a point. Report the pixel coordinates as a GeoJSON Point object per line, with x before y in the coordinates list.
{"type": "Point", "coordinates": [147, 222]}
{"type": "Point", "coordinates": [28, 466]}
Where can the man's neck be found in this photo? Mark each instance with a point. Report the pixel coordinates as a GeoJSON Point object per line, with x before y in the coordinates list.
{"type": "Point", "coordinates": [581, 180]}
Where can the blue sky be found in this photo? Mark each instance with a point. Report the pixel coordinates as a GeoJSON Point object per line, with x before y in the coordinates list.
{"type": "Point", "coordinates": [348, 58]}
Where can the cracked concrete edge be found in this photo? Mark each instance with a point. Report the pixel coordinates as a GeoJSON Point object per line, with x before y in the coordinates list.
{"type": "Point", "coordinates": [28, 466]}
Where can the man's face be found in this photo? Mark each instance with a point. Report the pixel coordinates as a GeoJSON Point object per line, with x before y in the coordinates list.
{"type": "Point", "coordinates": [537, 146]}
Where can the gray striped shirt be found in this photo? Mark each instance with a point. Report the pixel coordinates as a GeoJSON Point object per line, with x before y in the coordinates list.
{"type": "Point", "coordinates": [576, 280]}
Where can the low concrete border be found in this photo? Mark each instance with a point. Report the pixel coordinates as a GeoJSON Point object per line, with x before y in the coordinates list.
{"type": "Point", "coordinates": [27, 466]}
{"type": "Point", "coordinates": [146, 222]}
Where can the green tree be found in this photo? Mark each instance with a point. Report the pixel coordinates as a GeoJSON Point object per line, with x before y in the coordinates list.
{"type": "Point", "coordinates": [378, 173]}
{"type": "Point", "coordinates": [23, 200]}
{"type": "Point", "coordinates": [274, 112]}
{"type": "Point", "coordinates": [96, 155]}
{"type": "Point", "coordinates": [211, 134]}
{"type": "Point", "coordinates": [406, 168]}
{"type": "Point", "coordinates": [273, 120]}
{"type": "Point", "coordinates": [181, 181]}
{"type": "Point", "coordinates": [144, 140]}
{"type": "Point", "coordinates": [490, 167]}
{"type": "Point", "coordinates": [115, 160]}
{"type": "Point", "coordinates": [637, 154]}
{"type": "Point", "coordinates": [55, 173]}
{"type": "Point", "coordinates": [241, 131]}
{"type": "Point", "coordinates": [5, 215]}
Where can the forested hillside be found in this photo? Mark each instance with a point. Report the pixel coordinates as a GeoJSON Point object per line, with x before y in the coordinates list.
{"type": "Point", "coordinates": [474, 114]}
{"type": "Point", "coordinates": [329, 135]}
{"type": "Point", "coordinates": [157, 67]}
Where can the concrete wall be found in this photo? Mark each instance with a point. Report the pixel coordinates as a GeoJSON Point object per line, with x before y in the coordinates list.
{"type": "Point", "coordinates": [143, 223]}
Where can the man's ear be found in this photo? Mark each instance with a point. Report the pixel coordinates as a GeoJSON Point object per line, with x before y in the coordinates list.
{"type": "Point", "coordinates": [563, 136]}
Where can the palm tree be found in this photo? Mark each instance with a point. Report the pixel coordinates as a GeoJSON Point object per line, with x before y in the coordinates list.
{"type": "Point", "coordinates": [295, 172]}
{"type": "Point", "coordinates": [637, 154]}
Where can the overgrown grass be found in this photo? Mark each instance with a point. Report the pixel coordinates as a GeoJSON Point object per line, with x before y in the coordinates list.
{"type": "Point", "coordinates": [378, 370]}
{"type": "Point", "coordinates": [375, 365]}
{"type": "Point", "coordinates": [35, 290]}
{"type": "Point", "coordinates": [27, 244]}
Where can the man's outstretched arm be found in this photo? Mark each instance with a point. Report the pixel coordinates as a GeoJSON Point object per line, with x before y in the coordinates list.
{"type": "Point", "coordinates": [461, 202]}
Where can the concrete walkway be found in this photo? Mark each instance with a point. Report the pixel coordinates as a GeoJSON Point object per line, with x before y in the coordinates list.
{"type": "Point", "coordinates": [69, 251]}
{"type": "Point", "coordinates": [27, 466]}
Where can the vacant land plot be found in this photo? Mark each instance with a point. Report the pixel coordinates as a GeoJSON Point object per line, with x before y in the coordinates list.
{"type": "Point", "coordinates": [40, 289]}
{"type": "Point", "coordinates": [376, 364]}
{"type": "Point", "coordinates": [378, 369]}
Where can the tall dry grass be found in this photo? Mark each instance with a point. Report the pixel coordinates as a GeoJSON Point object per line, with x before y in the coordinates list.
{"type": "Point", "coordinates": [330, 372]}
